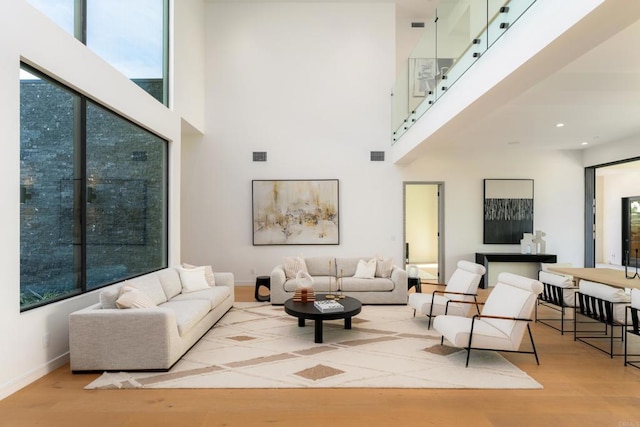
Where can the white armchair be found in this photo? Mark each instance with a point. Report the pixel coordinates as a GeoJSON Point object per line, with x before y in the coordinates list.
{"type": "Point", "coordinates": [455, 297]}
{"type": "Point", "coordinates": [504, 319]}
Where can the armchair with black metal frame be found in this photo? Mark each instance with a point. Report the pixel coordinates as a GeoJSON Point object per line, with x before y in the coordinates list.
{"type": "Point", "coordinates": [464, 282]}
{"type": "Point", "coordinates": [502, 322]}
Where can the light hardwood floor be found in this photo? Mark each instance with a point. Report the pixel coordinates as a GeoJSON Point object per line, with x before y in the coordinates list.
{"type": "Point", "coordinates": [582, 387]}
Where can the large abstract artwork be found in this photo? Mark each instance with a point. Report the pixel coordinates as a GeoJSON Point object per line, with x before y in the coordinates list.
{"type": "Point", "coordinates": [508, 210]}
{"type": "Point", "coordinates": [295, 212]}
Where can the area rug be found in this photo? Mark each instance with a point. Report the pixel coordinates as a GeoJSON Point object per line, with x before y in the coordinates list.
{"type": "Point", "coordinates": [256, 345]}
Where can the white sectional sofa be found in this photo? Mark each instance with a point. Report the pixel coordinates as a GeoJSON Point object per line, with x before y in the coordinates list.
{"type": "Point", "coordinates": [103, 337]}
{"type": "Point", "coordinates": [389, 287]}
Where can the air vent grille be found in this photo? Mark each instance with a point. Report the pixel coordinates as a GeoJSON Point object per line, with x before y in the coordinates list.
{"type": "Point", "coordinates": [259, 156]}
{"type": "Point", "coordinates": [377, 156]}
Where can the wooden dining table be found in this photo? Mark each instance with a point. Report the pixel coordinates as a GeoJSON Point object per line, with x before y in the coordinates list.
{"type": "Point", "coordinates": [606, 276]}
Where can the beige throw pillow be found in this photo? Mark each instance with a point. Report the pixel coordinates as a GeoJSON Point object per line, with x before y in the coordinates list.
{"type": "Point", "coordinates": [193, 279]}
{"type": "Point", "coordinates": [208, 273]}
{"type": "Point", "coordinates": [133, 298]}
{"type": "Point", "coordinates": [384, 267]}
{"type": "Point", "coordinates": [366, 269]}
{"type": "Point", "coordinates": [292, 265]}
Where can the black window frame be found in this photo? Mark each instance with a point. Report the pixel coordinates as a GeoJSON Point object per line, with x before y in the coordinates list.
{"type": "Point", "coordinates": [80, 132]}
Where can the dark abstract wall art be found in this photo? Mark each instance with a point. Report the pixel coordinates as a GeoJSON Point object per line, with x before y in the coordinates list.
{"type": "Point", "coordinates": [508, 210]}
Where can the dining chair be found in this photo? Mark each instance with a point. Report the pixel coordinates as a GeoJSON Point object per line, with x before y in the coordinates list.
{"type": "Point", "coordinates": [600, 309]}
{"type": "Point", "coordinates": [558, 294]}
{"type": "Point", "coordinates": [632, 321]}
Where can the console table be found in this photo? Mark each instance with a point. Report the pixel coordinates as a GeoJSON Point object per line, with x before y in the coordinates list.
{"type": "Point", "coordinates": [485, 258]}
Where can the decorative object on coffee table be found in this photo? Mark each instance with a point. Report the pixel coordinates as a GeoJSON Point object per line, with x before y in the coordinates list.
{"type": "Point", "coordinates": [331, 295]}
{"type": "Point", "coordinates": [328, 306]}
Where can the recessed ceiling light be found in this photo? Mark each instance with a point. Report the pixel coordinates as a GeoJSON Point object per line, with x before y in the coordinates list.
{"type": "Point", "coordinates": [559, 125]}
{"type": "Point", "coordinates": [584, 143]}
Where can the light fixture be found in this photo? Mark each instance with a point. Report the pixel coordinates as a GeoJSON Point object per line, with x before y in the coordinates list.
{"type": "Point", "coordinates": [584, 143]}
{"type": "Point", "coordinates": [559, 125]}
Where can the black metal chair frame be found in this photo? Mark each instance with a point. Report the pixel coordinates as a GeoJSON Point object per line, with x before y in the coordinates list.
{"type": "Point", "coordinates": [599, 311]}
{"type": "Point", "coordinates": [446, 308]}
{"type": "Point", "coordinates": [552, 296]}
{"type": "Point", "coordinates": [469, 347]}
{"type": "Point", "coordinates": [632, 321]}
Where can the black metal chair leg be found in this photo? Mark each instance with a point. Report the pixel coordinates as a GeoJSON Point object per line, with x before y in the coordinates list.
{"type": "Point", "coordinates": [535, 353]}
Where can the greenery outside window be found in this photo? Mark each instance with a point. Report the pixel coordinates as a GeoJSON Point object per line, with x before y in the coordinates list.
{"type": "Point", "coordinates": [93, 194]}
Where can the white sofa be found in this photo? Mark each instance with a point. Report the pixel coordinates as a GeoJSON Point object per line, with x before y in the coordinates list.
{"type": "Point", "coordinates": [326, 271]}
{"type": "Point", "coordinates": [103, 337]}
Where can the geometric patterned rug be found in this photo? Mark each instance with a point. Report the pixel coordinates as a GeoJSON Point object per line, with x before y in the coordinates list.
{"type": "Point", "coordinates": [257, 345]}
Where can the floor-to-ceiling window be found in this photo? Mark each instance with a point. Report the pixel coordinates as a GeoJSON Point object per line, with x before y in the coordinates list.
{"type": "Point", "coordinates": [131, 35]}
{"type": "Point", "coordinates": [93, 194]}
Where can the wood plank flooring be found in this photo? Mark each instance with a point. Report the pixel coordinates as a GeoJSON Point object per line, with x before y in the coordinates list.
{"type": "Point", "coordinates": [582, 387]}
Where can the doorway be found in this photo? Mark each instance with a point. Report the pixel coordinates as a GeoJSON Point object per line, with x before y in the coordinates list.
{"type": "Point", "coordinates": [423, 230]}
{"type": "Point", "coordinates": [606, 188]}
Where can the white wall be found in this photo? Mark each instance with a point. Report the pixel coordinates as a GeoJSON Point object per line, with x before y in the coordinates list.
{"type": "Point", "coordinates": [26, 33]}
{"type": "Point", "coordinates": [308, 83]}
{"type": "Point", "coordinates": [558, 197]}
{"type": "Point", "coordinates": [187, 65]}
{"type": "Point", "coordinates": [616, 184]}
{"type": "Point", "coordinates": [612, 152]}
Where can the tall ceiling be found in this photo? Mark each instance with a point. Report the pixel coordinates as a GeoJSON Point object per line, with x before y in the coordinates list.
{"type": "Point", "coordinates": [595, 94]}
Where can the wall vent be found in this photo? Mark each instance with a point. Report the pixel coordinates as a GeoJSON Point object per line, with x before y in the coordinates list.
{"type": "Point", "coordinates": [259, 156]}
{"type": "Point", "coordinates": [417, 25]}
{"type": "Point", "coordinates": [377, 156]}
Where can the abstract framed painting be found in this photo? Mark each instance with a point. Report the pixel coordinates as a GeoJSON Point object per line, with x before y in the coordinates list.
{"type": "Point", "coordinates": [508, 210]}
{"type": "Point", "coordinates": [295, 212]}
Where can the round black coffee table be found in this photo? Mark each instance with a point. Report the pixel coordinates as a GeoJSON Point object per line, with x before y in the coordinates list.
{"type": "Point", "coordinates": [306, 310]}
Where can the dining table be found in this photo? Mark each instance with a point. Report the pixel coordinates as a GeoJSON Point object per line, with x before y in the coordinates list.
{"type": "Point", "coordinates": [606, 276]}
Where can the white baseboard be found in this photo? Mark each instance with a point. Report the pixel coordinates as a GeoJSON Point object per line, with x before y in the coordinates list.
{"type": "Point", "coordinates": [10, 387]}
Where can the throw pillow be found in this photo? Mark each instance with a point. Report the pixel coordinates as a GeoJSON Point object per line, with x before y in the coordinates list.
{"type": "Point", "coordinates": [133, 298]}
{"type": "Point", "coordinates": [108, 297]}
{"type": "Point", "coordinates": [384, 267]}
{"type": "Point", "coordinates": [366, 269]}
{"type": "Point", "coordinates": [208, 273]}
{"type": "Point", "coordinates": [192, 279]}
{"type": "Point", "coordinates": [294, 264]}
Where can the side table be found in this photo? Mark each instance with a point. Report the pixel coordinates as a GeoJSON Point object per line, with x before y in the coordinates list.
{"type": "Point", "coordinates": [262, 281]}
{"type": "Point", "coordinates": [414, 281]}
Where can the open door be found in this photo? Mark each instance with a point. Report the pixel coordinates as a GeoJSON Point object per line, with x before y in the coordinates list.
{"type": "Point", "coordinates": [423, 230]}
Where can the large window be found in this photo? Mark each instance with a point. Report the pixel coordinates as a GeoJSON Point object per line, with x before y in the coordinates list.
{"type": "Point", "coordinates": [131, 35]}
{"type": "Point", "coordinates": [93, 194]}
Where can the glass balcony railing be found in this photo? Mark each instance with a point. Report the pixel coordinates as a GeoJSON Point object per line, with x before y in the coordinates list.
{"type": "Point", "coordinates": [458, 36]}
